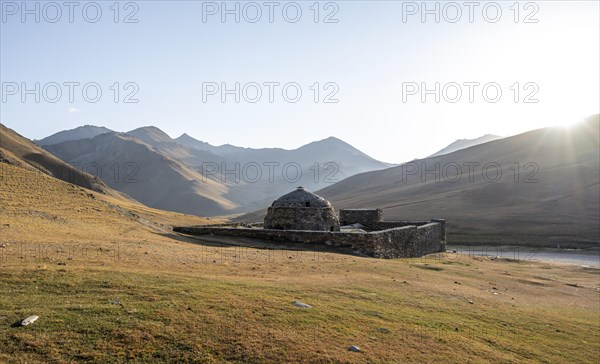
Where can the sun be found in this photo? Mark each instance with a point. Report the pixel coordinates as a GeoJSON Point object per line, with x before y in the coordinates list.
{"type": "Point", "coordinates": [568, 124]}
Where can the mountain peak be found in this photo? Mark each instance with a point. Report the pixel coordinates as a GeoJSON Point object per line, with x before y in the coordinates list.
{"type": "Point", "coordinates": [334, 141]}
{"type": "Point", "coordinates": [80, 132]}
{"type": "Point", "coordinates": [330, 142]}
{"type": "Point", "coordinates": [147, 129]}
{"type": "Point", "coordinates": [150, 135]}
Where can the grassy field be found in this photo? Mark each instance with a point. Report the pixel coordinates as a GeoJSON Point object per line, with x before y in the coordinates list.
{"type": "Point", "coordinates": [223, 307]}
{"type": "Point", "coordinates": [112, 283]}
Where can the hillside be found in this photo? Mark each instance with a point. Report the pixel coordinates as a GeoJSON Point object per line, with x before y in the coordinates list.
{"type": "Point", "coordinates": [163, 143]}
{"type": "Point", "coordinates": [465, 143]}
{"type": "Point", "coordinates": [150, 135]}
{"type": "Point", "coordinates": [17, 150]}
{"type": "Point", "coordinates": [146, 174]}
{"type": "Point", "coordinates": [553, 200]}
{"type": "Point", "coordinates": [225, 149]}
{"type": "Point", "coordinates": [118, 286]}
{"type": "Point", "coordinates": [33, 202]}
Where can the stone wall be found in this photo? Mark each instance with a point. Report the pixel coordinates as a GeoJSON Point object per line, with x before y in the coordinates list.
{"type": "Point", "coordinates": [302, 218]}
{"type": "Point", "coordinates": [442, 222]}
{"type": "Point", "coordinates": [366, 217]}
{"type": "Point", "coordinates": [398, 242]}
{"type": "Point", "coordinates": [409, 241]}
{"type": "Point", "coordinates": [428, 236]}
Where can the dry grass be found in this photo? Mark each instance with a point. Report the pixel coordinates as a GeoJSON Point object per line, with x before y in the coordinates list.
{"type": "Point", "coordinates": [133, 291]}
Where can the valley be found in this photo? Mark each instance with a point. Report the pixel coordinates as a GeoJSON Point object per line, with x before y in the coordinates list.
{"type": "Point", "coordinates": [111, 282]}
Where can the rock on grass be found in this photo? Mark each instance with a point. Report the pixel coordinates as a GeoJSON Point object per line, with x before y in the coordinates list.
{"type": "Point", "coordinates": [301, 304]}
{"type": "Point", "coordinates": [29, 320]}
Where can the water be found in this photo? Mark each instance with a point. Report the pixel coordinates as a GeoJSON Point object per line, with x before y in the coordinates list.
{"type": "Point", "coordinates": [587, 258]}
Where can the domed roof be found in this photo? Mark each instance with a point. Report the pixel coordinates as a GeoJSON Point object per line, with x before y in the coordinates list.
{"type": "Point", "coordinates": [301, 198]}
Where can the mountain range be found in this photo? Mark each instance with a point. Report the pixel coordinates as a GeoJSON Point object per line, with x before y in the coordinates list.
{"type": "Point", "coordinates": [190, 176]}
{"type": "Point", "coordinates": [92, 266]}
{"type": "Point", "coordinates": [540, 187]}
{"type": "Point", "coordinates": [144, 173]}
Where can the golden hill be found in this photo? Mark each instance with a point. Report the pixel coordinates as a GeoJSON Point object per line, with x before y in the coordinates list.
{"type": "Point", "coordinates": [37, 208]}
{"type": "Point", "coordinates": [20, 151]}
{"type": "Point", "coordinates": [111, 283]}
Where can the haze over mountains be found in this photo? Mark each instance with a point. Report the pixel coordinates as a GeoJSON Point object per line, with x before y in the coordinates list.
{"type": "Point", "coordinates": [466, 143]}
{"type": "Point", "coordinates": [540, 187]}
{"type": "Point", "coordinates": [191, 176]}
{"type": "Point", "coordinates": [151, 177]}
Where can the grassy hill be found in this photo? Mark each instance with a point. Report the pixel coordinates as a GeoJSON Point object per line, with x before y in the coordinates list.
{"type": "Point", "coordinates": [15, 149]}
{"type": "Point", "coordinates": [112, 283]}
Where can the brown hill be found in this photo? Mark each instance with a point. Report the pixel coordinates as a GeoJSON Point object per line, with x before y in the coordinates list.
{"type": "Point", "coordinates": [116, 286]}
{"type": "Point", "coordinates": [20, 151]}
{"type": "Point", "coordinates": [553, 200]}
{"type": "Point", "coordinates": [32, 191]}
{"type": "Point", "coordinates": [38, 208]}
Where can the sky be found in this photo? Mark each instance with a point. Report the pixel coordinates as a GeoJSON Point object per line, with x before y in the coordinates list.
{"type": "Point", "coordinates": [367, 72]}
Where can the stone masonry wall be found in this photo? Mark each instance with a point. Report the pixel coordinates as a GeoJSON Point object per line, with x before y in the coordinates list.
{"type": "Point", "coordinates": [399, 242]}
{"type": "Point", "coordinates": [365, 217]}
{"type": "Point", "coordinates": [308, 218]}
{"type": "Point", "coordinates": [394, 243]}
{"type": "Point", "coordinates": [428, 237]}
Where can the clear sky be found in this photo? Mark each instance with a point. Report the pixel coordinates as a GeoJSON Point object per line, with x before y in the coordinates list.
{"type": "Point", "coordinates": [373, 56]}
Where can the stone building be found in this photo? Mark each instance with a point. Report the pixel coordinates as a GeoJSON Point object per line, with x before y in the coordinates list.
{"type": "Point", "coordinates": [301, 210]}
{"type": "Point", "coordinates": [303, 217]}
